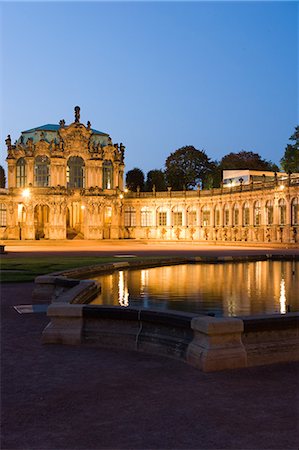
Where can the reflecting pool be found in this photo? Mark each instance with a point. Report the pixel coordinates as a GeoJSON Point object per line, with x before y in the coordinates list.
{"type": "Point", "coordinates": [229, 289]}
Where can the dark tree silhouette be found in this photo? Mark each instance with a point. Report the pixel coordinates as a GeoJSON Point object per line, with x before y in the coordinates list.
{"type": "Point", "coordinates": [246, 160]}
{"type": "Point", "coordinates": [134, 179]}
{"type": "Point", "coordinates": [2, 177]}
{"type": "Point", "coordinates": [155, 178]}
{"type": "Point", "coordinates": [290, 160]}
{"type": "Point", "coordinates": [187, 167]}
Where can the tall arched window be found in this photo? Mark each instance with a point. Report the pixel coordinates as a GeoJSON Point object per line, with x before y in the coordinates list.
{"type": "Point", "coordinates": [257, 214]}
{"type": "Point", "coordinates": [205, 216]}
{"type": "Point", "coordinates": [235, 215]}
{"type": "Point", "coordinates": [282, 211]}
{"type": "Point", "coordinates": [75, 172]}
{"type": "Point", "coordinates": [295, 211]}
{"type": "Point", "coordinates": [146, 216]}
{"type": "Point", "coordinates": [130, 216]}
{"type": "Point", "coordinates": [3, 215]}
{"type": "Point", "coordinates": [41, 171]}
{"type": "Point", "coordinates": [246, 214]}
{"type": "Point", "coordinates": [269, 212]}
{"type": "Point", "coordinates": [107, 174]}
{"type": "Point", "coordinates": [21, 172]}
{"type": "Point", "coordinates": [191, 217]}
{"type": "Point", "coordinates": [177, 218]}
{"type": "Point", "coordinates": [217, 217]}
{"type": "Point", "coordinates": [226, 215]}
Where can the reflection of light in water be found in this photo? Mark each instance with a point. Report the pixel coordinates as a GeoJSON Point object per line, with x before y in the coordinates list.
{"type": "Point", "coordinates": [123, 293]}
{"type": "Point", "coordinates": [282, 297]}
{"type": "Point", "coordinates": [144, 287]}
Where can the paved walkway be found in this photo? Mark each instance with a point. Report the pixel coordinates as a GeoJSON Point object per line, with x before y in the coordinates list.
{"type": "Point", "coordinates": [68, 398]}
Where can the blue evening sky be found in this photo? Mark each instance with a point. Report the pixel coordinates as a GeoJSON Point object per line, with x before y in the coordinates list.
{"type": "Point", "coordinates": [221, 76]}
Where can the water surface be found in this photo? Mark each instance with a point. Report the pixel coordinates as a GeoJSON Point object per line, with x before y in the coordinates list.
{"type": "Point", "coordinates": [229, 289]}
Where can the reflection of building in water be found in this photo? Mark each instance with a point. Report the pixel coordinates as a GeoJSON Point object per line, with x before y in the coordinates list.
{"type": "Point", "coordinates": [66, 181]}
{"type": "Point", "coordinates": [229, 289]}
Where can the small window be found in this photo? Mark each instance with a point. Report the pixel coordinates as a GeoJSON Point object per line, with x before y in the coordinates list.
{"type": "Point", "coordinates": [217, 217]}
{"type": "Point", "coordinates": [3, 215]}
{"type": "Point", "coordinates": [226, 216]}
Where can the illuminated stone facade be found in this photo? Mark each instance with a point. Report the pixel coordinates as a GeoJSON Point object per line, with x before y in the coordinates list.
{"type": "Point", "coordinates": [67, 182]}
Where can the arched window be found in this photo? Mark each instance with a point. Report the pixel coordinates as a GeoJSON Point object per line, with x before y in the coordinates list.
{"type": "Point", "coordinates": [21, 173]}
{"type": "Point", "coordinates": [3, 215]}
{"type": "Point", "coordinates": [177, 218]}
{"type": "Point", "coordinates": [257, 214]}
{"type": "Point", "coordinates": [41, 171]}
{"type": "Point", "coordinates": [130, 216]}
{"type": "Point", "coordinates": [269, 212]}
{"type": "Point", "coordinates": [75, 172]}
{"type": "Point", "coordinates": [191, 217]}
{"type": "Point", "coordinates": [146, 216]}
{"type": "Point", "coordinates": [217, 217]}
{"type": "Point", "coordinates": [226, 216]}
{"type": "Point", "coordinates": [295, 211]}
{"type": "Point", "coordinates": [235, 215]}
{"type": "Point", "coordinates": [107, 175]}
{"type": "Point", "coordinates": [161, 218]}
{"type": "Point", "coordinates": [246, 214]}
{"type": "Point", "coordinates": [282, 211]}
{"type": "Point", "coordinates": [205, 216]}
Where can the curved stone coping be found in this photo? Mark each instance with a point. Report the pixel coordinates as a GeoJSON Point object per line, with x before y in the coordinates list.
{"type": "Point", "coordinates": [208, 343]}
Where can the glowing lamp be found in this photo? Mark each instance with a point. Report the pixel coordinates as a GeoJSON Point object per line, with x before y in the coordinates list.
{"type": "Point", "coordinates": [26, 193]}
{"type": "Point", "coordinates": [82, 207]}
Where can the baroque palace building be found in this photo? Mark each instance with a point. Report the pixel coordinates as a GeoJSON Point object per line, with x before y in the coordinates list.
{"type": "Point", "coordinates": [67, 182]}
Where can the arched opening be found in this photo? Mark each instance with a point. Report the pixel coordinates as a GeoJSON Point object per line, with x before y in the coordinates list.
{"type": "Point", "coordinates": [41, 221]}
{"type": "Point", "coordinates": [75, 221]}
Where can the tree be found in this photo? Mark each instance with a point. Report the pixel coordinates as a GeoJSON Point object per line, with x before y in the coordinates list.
{"type": "Point", "coordinates": [290, 160]}
{"type": "Point", "coordinates": [2, 177]}
{"type": "Point", "coordinates": [246, 160]}
{"type": "Point", "coordinates": [186, 167]}
{"type": "Point", "coordinates": [135, 178]}
{"type": "Point", "coordinates": [155, 178]}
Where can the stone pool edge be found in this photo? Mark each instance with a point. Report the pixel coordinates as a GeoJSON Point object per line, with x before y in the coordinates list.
{"type": "Point", "coordinates": [208, 343]}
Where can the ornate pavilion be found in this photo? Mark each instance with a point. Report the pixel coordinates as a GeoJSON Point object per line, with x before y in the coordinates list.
{"type": "Point", "coordinates": [66, 181]}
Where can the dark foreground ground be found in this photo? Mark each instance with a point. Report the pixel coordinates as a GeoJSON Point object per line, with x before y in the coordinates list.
{"type": "Point", "coordinates": [58, 397]}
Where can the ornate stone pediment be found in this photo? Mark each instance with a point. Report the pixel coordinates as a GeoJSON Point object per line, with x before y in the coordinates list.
{"type": "Point", "coordinates": [41, 148]}
{"type": "Point", "coordinates": [75, 138]}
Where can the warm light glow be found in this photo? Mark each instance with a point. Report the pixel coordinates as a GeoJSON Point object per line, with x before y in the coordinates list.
{"type": "Point", "coordinates": [123, 294]}
{"type": "Point", "coordinates": [82, 207]}
{"type": "Point", "coordinates": [26, 193]}
{"type": "Point", "coordinates": [281, 187]}
{"type": "Point", "coordinates": [126, 190]}
{"type": "Point", "coordinates": [282, 297]}
{"type": "Point", "coordinates": [121, 196]}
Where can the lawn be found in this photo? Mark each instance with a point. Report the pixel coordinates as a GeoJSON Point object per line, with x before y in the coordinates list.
{"type": "Point", "coordinates": [26, 269]}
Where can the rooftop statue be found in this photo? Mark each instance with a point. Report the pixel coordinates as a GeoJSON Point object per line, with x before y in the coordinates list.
{"type": "Point", "coordinates": [77, 114]}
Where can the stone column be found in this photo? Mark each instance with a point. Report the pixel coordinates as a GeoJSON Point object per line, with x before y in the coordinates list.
{"type": "Point", "coordinates": [11, 173]}
{"type": "Point", "coordinates": [30, 170]}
